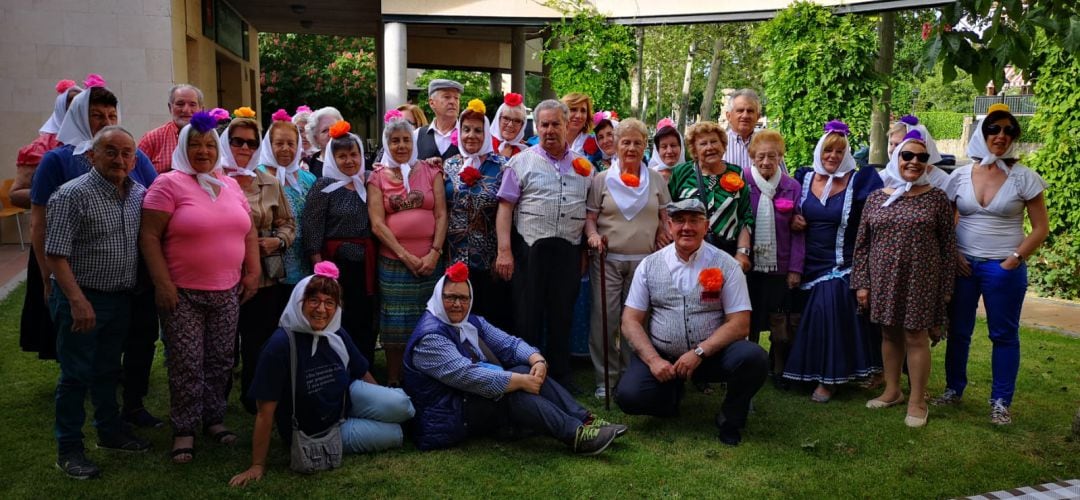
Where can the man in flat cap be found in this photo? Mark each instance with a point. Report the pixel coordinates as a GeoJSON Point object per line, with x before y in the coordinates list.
{"type": "Point", "coordinates": [700, 317]}
{"type": "Point", "coordinates": [444, 97]}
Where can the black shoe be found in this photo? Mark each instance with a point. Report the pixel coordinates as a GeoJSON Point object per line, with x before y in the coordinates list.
{"type": "Point", "coordinates": [593, 440]}
{"type": "Point", "coordinates": [123, 441]}
{"type": "Point", "coordinates": [781, 383]}
{"type": "Point", "coordinates": [76, 466]}
{"type": "Point", "coordinates": [728, 434]}
{"type": "Point", "coordinates": [142, 418]}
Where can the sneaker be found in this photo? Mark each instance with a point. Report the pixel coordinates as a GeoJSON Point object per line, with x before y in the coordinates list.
{"type": "Point", "coordinates": [999, 413]}
{"type": "Point", "coordinates": [142, 418]}
{"type": "Point", "coordinates": [123, 441]}
{"type": "Point", "coordinates": [591, 440]}
{"type": "Point", "coordinates": [949, 397]}
{"type": "Point", "coordinates": [76, 466]}
{"type": "Point", "coordinates": [619, 429]}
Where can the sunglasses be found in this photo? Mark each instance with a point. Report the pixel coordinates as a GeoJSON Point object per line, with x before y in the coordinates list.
{"type": "Point", "coordinates": [239, 142]}
{"type": "Point", "coordinates": [995, 129]}
{"type": "Point", "coordinates": [909, 155]}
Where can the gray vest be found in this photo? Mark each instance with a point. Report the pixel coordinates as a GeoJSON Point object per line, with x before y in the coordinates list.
{"type": "Point", "coordinates": [550, 206]}
{"type": "Point", "coordinates": [678, 322]}
{"type": "Point", "coordinates": [426, 147]}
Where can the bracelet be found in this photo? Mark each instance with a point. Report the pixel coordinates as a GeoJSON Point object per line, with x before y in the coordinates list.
{"type": "Point", "coordinates": [542, 361]}
{"type": "Point", "coordinates": [437, 250]}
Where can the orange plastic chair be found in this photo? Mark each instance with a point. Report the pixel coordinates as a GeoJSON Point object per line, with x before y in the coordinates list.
{"type": "Point", "coordinates": [9, 210]}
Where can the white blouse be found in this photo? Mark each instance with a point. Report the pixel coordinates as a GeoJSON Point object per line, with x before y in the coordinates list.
{"type": "Point", "coordinates": [996, 230]}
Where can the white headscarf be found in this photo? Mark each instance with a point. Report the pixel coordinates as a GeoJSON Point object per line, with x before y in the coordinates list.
{"type": "Point", "coordinates": [467, 331]}
{"type": "Point", "coordinates": [892, 170]}
{"type": "Point", "coordinates": [181, 163]}
{"type": "Point", "coordinates": [977, 148]}
{"type": "Point", "coordinates": [630, 200]}
{"type": "Point", "coordinates": [614, 125]}
{"type": "Point", "coordinates": [293, 320]}
{"type": "Point", "coordinates": [285, 173]}
{"type": "Point", "coordinates": [473, 160]}
{"type": "Point", "coordinates": [931, 145]}
{"type": "Point", "coordinates": [846, 165]}
{"type": "Point", "coordinates": [655, 162]}
{"type": "Point", "coordinates": [231, 167]}
{"type": "Point", "coordinates": [52, 125]}
{"type": "Point", "coordinates": [388, 160]}
{"type": "Point", "coordinates": [578, 146]}
{"type": "Point", "coordinates": [764, 219]}
{"type": "Point", "coordinates": [330, 169]}
{"type": "Point", "coordinates": [495, 130]}
{"type": "Point", "coordinates": [75, 130]}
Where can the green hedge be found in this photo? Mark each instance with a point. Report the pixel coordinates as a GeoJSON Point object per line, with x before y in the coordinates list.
{"type": "Point", "coordinates": [1029, 133]}
{"type": "Point", "coordinates": [943, 124]}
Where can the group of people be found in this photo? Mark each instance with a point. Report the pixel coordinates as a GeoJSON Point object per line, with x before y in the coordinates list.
{"type": "Point", "coordinates": [461, 251]}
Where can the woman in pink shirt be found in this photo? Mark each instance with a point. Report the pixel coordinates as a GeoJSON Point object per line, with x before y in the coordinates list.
{"type": "Point", "coordinates": [198, 240]}
{"type": "Point", "coordinates": [407, 206]}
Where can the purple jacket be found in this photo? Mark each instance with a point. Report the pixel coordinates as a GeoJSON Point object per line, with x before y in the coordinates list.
{"type": "Point", "coordinates": [790, 246]}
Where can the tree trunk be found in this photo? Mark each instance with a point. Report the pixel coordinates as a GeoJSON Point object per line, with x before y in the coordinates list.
{"type": "Point", "coordinates": [546, 90]}
{"type": "Point", "coordinates": [636, 94]}
{"type": "Point", "coordinates": [684, 105]}
{"type": "Point", "coordinates": [879, 119]}
{"type": "Point", "coordinates": [714, 77]}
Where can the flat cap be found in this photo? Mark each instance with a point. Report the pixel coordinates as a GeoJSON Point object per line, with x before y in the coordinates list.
{"type": "Point", "coordinates": [687, 205]}
{"type": "Point", "coordinates": [441, 84]}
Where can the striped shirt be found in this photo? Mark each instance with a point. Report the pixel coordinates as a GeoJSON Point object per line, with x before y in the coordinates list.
{"type": "Point", "coordinates": [738, 150]}
{"type": "Point", "coordinates": [159, 144]}
{"type": "Point", "coordinates": [96, 230]}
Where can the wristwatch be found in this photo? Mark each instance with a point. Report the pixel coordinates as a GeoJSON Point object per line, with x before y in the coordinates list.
{"type": "Point", "coordinates": [1018, 256]}
{"type": "Point", "coordinates": [700, 352]}
{"type": "Point", "coordinates": [743, 250]}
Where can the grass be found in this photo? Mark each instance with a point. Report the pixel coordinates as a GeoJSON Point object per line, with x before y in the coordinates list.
{"type": "Point", "coordinates": [792, 448]}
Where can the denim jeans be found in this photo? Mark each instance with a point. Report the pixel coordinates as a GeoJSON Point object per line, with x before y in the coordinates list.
{"type": "Point", "coordinates": [375, 418]}
{"type": "Point", "coordinates": [1003, 296]}
{"type": "Point", "coordinates": [89, 362]}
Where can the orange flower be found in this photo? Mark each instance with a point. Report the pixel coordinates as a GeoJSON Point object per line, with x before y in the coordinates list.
{"type": "Point", "coordinates": [711, 279]}
{"type": "Point", "coordinates": [582, 166]}
{"type": "Point", "coordinates": [731, 182]}
{"type": "Point", "coordinates": [630, 180]}
{"type": "Point", "coordinates": [244, 112]}
{"type": "Point", "coordinates": [339, 129]}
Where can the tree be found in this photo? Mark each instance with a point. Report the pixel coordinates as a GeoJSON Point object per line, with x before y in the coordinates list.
{"type": "Point", "coordinates": [879, 118]}
{"type": "Point", "coordinates": [317, 70]}
{"type": "Point", "coordinates": [586, 54]}
{"type": "Point", "coordinates": [820, 67]}
{"type": "Point", "coordinates": [477, 86]}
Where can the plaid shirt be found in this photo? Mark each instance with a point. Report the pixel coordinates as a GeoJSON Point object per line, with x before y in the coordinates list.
{"type": "Point", "coordinates": [158, 144]}
{"type": "Point", "coordinates": [96, 231]}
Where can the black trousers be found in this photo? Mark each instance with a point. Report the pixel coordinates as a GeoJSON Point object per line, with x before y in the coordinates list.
{"type": "Point", "coordinates": [546, 280]}
{"type": "Point", "coordinates": [744, 365]}
{"type": "Point", "coordinates": [258, 320]}
{"type": "Point", "coordinates": [36, 330]}
{"type": "Point", "coordinates": [493, 299]}
{"type": "Point", "coordinates": [357, 307]}
{"type": "Point", "coordinates": [553, 412]}
{"type": "Point", "coordinates": [140, 346]}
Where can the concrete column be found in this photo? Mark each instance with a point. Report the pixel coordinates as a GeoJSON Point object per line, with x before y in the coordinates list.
{"type": "Point", "coordinates": [494, 83]}
{"type": "Point", "coordinates": [395, 60]}
{"type": "Point", "coordinates": [517, 60]}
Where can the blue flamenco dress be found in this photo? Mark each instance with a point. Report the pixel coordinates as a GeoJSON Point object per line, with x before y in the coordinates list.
{"type": "Point", "coordinates": [834, 343]}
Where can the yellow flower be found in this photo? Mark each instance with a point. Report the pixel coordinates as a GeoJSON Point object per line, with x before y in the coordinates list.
{"type": "Point", "coordinates": [244, 112]}
{"type": "Point", "coordinates": [476, 105]}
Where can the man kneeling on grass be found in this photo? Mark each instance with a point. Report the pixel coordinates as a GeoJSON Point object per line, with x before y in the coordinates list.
{"type": "Point", "coordinates": [468, 378]}
{"type": "Point", "coordinates": [697, 330]}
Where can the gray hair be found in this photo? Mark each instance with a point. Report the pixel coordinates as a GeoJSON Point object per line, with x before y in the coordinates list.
{"type": "Point", "coordinates": [185, 86]}
{"type": "Point", "coordinates": [313, 122]}
{"type": "Point", "coordinates": [553, 104]}
{"type": "Point", "coordinates": [397, 126]}
{"type": "Point", "coordinates": [631, 125]}
{"type": "Point", "coordinates": [749, 94]}
{"type": "Point", "coordinates": [99, 137]}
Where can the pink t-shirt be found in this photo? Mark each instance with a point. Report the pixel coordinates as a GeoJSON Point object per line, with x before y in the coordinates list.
{"type": "Point", "coordinates": [204, 241]}
{"type": "Point", "coordinates": [410, 216]}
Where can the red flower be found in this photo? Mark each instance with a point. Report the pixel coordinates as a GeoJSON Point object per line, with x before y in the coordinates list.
{"type": "Point", "coordinates": [512, 99]}
{"type": "Point", "coordinates": [458, 272]}
{"type": "Point", "coordinates": [590, 146]}
{"type": "Point", "coordinates": [926, 31]}
{"type": "Point", "coordinates": [731, 182]}
{"type": "Point", "coordinates": [711, 279]}
{"type": "Point", "coordinates": [469, 175]}
{"type": "Point", "coordinates": [630, 180]}
{"type": "Point", "coordinates": [582, 166]}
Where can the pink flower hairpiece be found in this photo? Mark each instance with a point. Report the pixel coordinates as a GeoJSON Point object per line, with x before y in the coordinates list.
{"type": "Point", "coordinates": [600, 116]}
{"type": "Point", "coordinates": [454, 137]}
{"type": "Point", "coordinates": [327, 269]}
{"type": "Point", "coordinates": [219, 114]}
{"type": "Point", "coordinates": [393, 114]}
{"type": "Point", "coordinates": [303, 108]}
{"type": "Point", "coordinates": [281, 116]}
{"type": "Point", "coordinates": [666, 122]}
{"type": "Point", "coordinates": [93, 80]}
{"type": "Point", "coordinates": [63, 86]}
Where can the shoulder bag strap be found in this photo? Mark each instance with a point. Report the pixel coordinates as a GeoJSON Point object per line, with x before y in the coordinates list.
{"type": "Point", "coordinates": [292, 371]}
{"type": "Point", "coordinates": [701, 189]}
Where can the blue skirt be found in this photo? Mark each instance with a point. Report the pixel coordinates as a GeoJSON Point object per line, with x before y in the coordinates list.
{"type": "Point", "coordinates": [834, 343]}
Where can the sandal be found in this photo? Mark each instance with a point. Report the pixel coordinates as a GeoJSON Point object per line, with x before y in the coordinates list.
{"type": "Point", "coordinates": [182, 455]}
{"type": "Point", "coordinates": [223, 437]}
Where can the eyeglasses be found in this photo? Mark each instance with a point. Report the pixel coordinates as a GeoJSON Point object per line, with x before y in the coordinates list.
{"type": "Point", "coordinates": [995, 129]}
{"type": "Point", "coordinates": [314, 303]}
{"type": "Point", "coordinates": [456, 299]}
{"type": "Point", "coordinates": [508, 120]}
{"type": "Point", "coordinates": [239, 142]}
{"type": "Point", "coordinates": [908, 155]}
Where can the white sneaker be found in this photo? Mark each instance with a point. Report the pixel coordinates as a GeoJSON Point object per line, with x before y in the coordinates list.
{"type": "Point", "coordinates": [600, 392]}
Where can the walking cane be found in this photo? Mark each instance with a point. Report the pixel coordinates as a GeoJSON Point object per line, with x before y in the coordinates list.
{"type": "Point", "coordinates": [603, 320]}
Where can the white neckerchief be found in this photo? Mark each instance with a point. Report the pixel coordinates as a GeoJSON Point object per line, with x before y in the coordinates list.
{"type": "Point", "coordinates": [330, 170]}
{"type": "Point", "coordinates": [231, 167]}
{"type": "Point", "coordinates": [764, 223]}
{"type": "Point", "coordinates": [578, 146]}
{"type": "Point", "coordinates": [846, 165]}
{"type": "Point", "coordinates": [655, 162]}
{"type": "Point", "coordinates": [75, 129]}
{"type": "Point", "coordinates": [181, 163]}
{"type": "Point", "coordinates": [286, 174]}
{"type": "Point", "coordinates": [404, 168]}
{"type": "Point", "coordinates": [628, 199]}
{"type": "Point", "coordinates": [293, 320]}
{"type": "Point", "coordinates": [977, 148]}
{"type": "Point", "coordinates": [475, 159]}
{"type": "Point", "coordinates": [467, 331]}
{"type": "Point", "coordinates": [496, 129]}
{"type": "Point", "coordinates": [52, 125]}
{"type": "Point", "coordinates": [896, 181]}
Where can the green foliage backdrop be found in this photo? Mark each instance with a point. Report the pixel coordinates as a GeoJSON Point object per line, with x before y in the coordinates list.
{"type": "Point", "coordinates": [943, 124]}
{"type": "Point", "coordinates": [317, 70]}
{"type": "Point", "coordinates": [591, 56]}
{"type": "Point", "coordinates": [819, 68]}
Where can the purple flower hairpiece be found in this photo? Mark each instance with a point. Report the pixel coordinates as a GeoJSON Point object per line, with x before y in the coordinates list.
{"type": "Point", "coordinates": [837, 127]}
{"type": "Point", "coordinates": [219, 114]}
{"type": "Point", "coordinates": [914, 135]}
{"type": "Point", "coordinates": [203, 122]}
{"type": "Point", "coordinates": [909, 119]}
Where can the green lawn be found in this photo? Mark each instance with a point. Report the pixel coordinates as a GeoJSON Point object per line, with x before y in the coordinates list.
{"type": "Point", "coordinates": [792, 447]}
